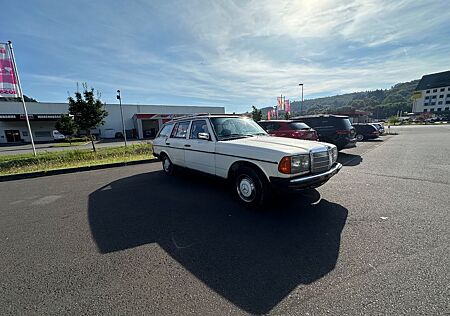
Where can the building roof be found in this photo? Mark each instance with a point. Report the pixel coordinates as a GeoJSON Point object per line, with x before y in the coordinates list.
{"type": "Point", "coordinates": [437, 80]}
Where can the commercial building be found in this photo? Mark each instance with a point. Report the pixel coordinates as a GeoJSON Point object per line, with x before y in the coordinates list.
{"type": "Point", "coordinates": [432, 93]}
{"type": "Point", "coordinates": [141, 121]}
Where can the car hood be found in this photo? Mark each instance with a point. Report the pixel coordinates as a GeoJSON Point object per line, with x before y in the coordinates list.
{"type": "Point", "coordinates": [279, 145]}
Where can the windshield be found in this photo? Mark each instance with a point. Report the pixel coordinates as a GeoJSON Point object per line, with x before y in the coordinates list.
{"type": "Point", "coordinates": [235, 127]}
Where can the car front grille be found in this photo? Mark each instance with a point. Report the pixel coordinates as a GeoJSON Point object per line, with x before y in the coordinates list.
{"type": "Point", "coordinates": [320, 161]}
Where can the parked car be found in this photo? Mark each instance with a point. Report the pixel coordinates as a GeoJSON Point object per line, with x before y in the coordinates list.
{"type": "Point", "coordinates": [380, 127]}
{"type": "Point", "coordinates": [289, 128]}
{"type": "Point", "coordinates": [57, 135]}
{"type": "Point", "coordinates": [366, 131]}
{"type": "Point", "coordinates": [334, 129]}
{"type": "Point", "coordinates": [238, 149]}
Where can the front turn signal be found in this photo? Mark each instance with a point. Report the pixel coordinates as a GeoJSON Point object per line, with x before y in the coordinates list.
{"type": "Point", "coordinates": [285, 165]}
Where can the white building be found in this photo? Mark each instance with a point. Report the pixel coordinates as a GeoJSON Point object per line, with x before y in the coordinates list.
{"type": "Point", "coordinates": [141, 121]}
{"type": "Point", "coordinates": [432, 93]}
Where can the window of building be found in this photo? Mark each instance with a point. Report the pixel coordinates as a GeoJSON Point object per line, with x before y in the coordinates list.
{"type": "Point", "coordinates": [431, 110]}
{"type": "Point", "coordinates": [427, 97]}
{"type": "Point", "coordinates": [442, 89]}
{"type": "Point", "coordinates": [180, 130]}
{"type": "Point", "coordinates": [25, 133]}
{"type": "Point", "coordinates": [447, 102]}
{"type": "Point", "coordinates": [446, 109]}
{"type": "Point", "coordinates": [441, 96]}
{"type": "Point", "coordinates": [42, 134]}
{"type": "Point", "coordinates": [448, 95]}
{"type": "Point", "coordinates": [425, 110]}
{"type": "Point", "coordinates": [434, 90]}
{"type": "Point", "coordinates": [433, 97]}
{"type": "Point", "coordinates": [428, 91]}
{"type": "Point", "coordinates": [440, 102]}
{"type": "Point", "coordinates": [439, 109]}
{"type": "Point", "coordinates": [433, 103]}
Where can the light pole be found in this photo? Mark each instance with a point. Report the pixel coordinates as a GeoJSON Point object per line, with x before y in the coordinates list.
{"type": "Point", "coordinates": [121, 114]}
{"type": "Point", "coordinates": [301, 106]}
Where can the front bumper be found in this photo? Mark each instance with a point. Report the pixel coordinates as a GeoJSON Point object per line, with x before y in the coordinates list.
{"type": "Point", "coordinates": [305, 182]}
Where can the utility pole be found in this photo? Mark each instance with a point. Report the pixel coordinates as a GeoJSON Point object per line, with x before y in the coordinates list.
{"type": "Point", "coordinates": [121, 114]}
{"type": "Point", "coordinates": [21, 95]}
{"type": "Point", "coordinates": [301, 105]}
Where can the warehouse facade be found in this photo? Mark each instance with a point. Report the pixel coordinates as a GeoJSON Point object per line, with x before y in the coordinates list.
{"type": "Point", "coordinates": [141, 121]}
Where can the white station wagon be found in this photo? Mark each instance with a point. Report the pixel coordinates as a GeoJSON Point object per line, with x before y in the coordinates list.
{"type": "Point", "coordinates": [236, 148]}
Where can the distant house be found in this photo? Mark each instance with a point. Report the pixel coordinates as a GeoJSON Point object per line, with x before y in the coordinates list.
{"type": "Point", "coordinates": [355, 116]}
{"type": "Point", "coordinates": [432, 93]}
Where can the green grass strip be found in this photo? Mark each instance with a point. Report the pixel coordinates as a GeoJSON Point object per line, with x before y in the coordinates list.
{"type": "Point", "coordinates": [45, 161]}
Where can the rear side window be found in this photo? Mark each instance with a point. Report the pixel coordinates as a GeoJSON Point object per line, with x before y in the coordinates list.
{"type": "Point", "coordinates": [165, 131]}
{"type": "Point", "coordinates": [298, 126]}
{"type": "Point", "coordinates": [180, 130]}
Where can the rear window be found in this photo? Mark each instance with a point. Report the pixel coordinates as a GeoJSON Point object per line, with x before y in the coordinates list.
{"type": "Point", "coordinates": [343, 123]}
{"type": "Point", "coordinates": [298, 126]}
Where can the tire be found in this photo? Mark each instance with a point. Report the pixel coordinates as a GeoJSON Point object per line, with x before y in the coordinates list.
{"type": "Point", "coordinates": [167, 165]}
{"type": "Point", "coordinates": [359, 137]}
{"type": "Point", "coordinates": [251, 188]}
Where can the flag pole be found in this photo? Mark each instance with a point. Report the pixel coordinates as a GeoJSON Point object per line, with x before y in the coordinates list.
{"type": "Point", "coordinates": [21, 95]}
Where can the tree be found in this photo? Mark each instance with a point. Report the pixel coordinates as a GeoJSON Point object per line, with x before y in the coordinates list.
{"type": "Point", "coordinates": [66, 125]}
{"type": "Point", "coordinates": [393, 120]}
{"type": "Point", "coordinates": [88, 111]}
{"type": "Point", "coordinates": [256, 114]}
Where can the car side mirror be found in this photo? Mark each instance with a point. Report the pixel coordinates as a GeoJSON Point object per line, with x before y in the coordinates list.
{"type": "Point", "coordinates": [204, 136]}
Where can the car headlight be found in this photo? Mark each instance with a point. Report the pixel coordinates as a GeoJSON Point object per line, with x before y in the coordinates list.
{"type": "Point", "coordinates": [334, 154]}
{"type": "Point", "coordinates": [294, 164]}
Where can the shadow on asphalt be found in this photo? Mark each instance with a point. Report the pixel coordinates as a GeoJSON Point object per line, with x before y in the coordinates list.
{"type": "Point", "coordinates": [349, 159]}
{"type": "Point", "coordinates": [252, 259]}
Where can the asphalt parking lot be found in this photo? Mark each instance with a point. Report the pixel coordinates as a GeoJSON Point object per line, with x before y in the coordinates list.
{"type": "Point", "coordinates": [374, 240]}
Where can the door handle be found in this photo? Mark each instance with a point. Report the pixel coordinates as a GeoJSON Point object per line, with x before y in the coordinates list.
{"type": "Point", "coordinates": [187, 145]}
{"type": "Point", "coordinates": [167, 143]}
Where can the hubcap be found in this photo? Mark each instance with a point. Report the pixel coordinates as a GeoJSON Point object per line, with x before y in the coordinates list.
{"type": "Point", "coordinates": [246, 189]}
{"type": "Point", "coordinates": [166, 165]}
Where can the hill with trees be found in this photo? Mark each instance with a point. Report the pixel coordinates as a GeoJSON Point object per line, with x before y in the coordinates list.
{"type": "Point", "coordinates": [383, 103]}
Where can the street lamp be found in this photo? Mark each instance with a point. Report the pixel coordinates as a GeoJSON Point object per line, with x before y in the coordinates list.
{"type": "Point", "coordinates": [121, 114]}
{"type": "Point", "coordinates": [301, 106]}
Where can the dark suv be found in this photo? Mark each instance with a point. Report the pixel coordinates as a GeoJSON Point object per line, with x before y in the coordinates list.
{"type": "Point", "coordinates": [366, 131]}
{"type": "Point", "coordinates": [289, 128]}
{"type": "Point", "coordinates": [334, 129]}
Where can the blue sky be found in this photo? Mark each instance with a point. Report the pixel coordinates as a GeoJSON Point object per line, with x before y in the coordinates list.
{"type": "Point", "coordinates": [231, 53]}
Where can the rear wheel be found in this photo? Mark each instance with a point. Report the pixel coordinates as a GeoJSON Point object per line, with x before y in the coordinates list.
{"type": "Point", "coordinates": [359, 137]}
{"type": "Point", "coordinates": [167, 165]}
{"type": "Point", "coordinates": [251, 187]}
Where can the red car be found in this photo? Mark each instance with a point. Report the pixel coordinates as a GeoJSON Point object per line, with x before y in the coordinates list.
{"type": "Point", "coordinates": [289, 128]}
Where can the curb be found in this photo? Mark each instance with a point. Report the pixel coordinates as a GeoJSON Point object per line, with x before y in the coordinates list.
{"type": "Point", "coordinates": [38, 174]}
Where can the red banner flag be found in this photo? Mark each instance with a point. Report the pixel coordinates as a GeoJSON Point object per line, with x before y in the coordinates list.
{"type": "Point", "coordinates": [8, 82]}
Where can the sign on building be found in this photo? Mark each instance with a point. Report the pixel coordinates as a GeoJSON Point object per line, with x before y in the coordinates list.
{"type": "Point", "coordinates": [8, 81]}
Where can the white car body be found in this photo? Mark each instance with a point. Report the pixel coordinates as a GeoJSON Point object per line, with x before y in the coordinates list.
{"type": "Point", "coordinates": [263, 153]}
{"type": "Point", "coordinates": [57, 135]}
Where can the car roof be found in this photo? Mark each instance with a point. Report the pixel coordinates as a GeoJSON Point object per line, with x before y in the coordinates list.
{"type": "Point", "coordinates": [319, 115]}
{"type": "Point", "coordinates": [204, 115]}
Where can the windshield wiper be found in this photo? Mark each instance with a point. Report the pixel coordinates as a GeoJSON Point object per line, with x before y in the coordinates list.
{"type": "Point", "coordinates": [235, 136]}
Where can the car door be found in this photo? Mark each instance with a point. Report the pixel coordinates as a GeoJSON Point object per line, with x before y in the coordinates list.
{"type": "Point", "coordinates": [200, 153]}
{"type": "Point", "coordinates": [176, 143]}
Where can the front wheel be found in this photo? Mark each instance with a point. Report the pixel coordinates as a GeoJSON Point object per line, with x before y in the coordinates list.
{"type": "Point", "coordinates": [167, 165]}
{"type": "Point", "coordinates": [251, 188]}
{"type": "Point", "coordinates": [359, 137]}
